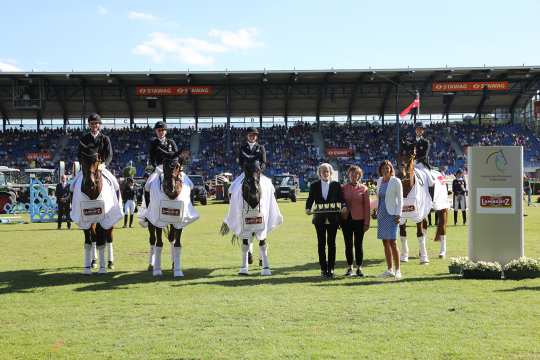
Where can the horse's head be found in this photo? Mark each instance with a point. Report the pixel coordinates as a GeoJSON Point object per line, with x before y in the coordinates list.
{"type": "Point", "coordinates": [251, 188]}
{"type": "Point", "coordinates": [406, 156]}
{"type": "Point", "coordinates": [90, 166]}
{"type": "Point", "coordinates": [172, 182]}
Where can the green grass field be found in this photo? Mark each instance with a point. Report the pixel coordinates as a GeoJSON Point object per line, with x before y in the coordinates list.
{"type": "Point", "coordinates": [48, 310]}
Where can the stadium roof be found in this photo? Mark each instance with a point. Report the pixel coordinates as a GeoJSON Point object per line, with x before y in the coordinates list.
{"type": "Point", "coordinates": [265, 93]}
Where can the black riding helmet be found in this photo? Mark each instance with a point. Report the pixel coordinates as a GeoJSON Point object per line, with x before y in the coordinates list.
{"type": "Point", "coordinates": [160, 125]}
{"type": "Point", "coordinates": [252, 130]}
{"type": "Point", "coordinates": [94, 117]}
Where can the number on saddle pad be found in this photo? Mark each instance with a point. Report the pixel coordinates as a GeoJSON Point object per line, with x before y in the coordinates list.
{"type": "Point", "coordinates": [92, 211]}
{"type": "Point", "coordinates": [410, 208]}
{"type": "Point", "coordinates": [171, 211]}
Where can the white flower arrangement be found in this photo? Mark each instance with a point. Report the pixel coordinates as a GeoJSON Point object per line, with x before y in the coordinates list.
{"type": "Point", "coordinates": [523, 264]}
{"type": "Point", "coordinates": [458, 261]}
{"type": "Point", "coordinates": [484, 266]}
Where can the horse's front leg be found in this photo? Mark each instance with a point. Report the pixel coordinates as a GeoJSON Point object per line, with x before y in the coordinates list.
{"type": "Point", "coordinates": [176, 248]}
{"type": "Point", "coordinates": [158, 250]}
{"type": "Point", "coordinates": [101, 240]}
{"type": "Point", "coordinates": [87, 263]}
{"type": "Point", "coordinates": [441, 231]}
{"type": "Point", "coordinates": [152, 241]}
{"type": "Point", "coordinates": [110, 253]}
{"type": "Point", "coordinates": [263, 253]}
{"type": "Point", "coordinates": [404, 244]}
{"type": "Point", "coordinates": [421, 231]}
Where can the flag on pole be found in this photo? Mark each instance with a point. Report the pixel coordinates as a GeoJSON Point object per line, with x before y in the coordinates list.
{"type": "Point", "coordinates": [414, 105]}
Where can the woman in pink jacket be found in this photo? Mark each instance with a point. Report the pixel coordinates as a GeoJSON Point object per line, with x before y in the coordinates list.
{"type": "Point", "coordinates": [355, 218]}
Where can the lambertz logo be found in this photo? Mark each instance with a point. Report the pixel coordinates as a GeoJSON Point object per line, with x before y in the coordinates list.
{"type": "Point", "coordinates": [170, 212]}
{"type": "Point", "coordinates": [498, 159]}
{"type": "Point", "coordinates": [92, 211]}
{"type": "Point", "coordinates": [408, 208]}
{"type": "Point", "coordinates": [496, 201]}
{"type": "Point", "coordinates": [254, 220]}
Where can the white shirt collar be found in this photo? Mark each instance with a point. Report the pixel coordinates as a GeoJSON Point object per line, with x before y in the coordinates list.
{"type": "Point", "coordinates": [325, 187]}
{"type": "Point", "coordinates": [94, 136]}
{"type": "Point", "coordinates": [251, 145]}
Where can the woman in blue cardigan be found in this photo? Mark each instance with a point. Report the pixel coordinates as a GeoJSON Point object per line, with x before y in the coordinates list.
{"type": "Point", "coordinates": [390, 203]}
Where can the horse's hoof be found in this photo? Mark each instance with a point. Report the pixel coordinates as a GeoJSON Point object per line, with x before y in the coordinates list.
{"type": "Point", "coordinates": [243, 272]}
{"type": "Point", "coordinates": [150, 268]}
{"type": "Point", "coordinates": [102, 271]}
{"type": "Point", "coordinates": [157, 273]}
{"type": "Point", "coordinates": [404, 259]}
{"type": "Point", "coordinates": [93, 264]}
{"type": "Point", "coordinates": [87, 271]}
{"type": "Point", "coordinates": [266, 272]}
{"type": "Point", "coordinates": [442, 256]}
{"type": "Point", "coordinates": [110, 265]}
{"type": "Point", "coordinates": [178, 273]}
{"type": "Point", "coordinates": [424, 261]}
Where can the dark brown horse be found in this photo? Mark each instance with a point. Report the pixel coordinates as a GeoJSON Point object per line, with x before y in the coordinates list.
{"type": "Point", "coordinates": [92, 184]}
{"type": "Point", "coordinates": [251, 194]}
{"type": "Point", "coordinates": [408, 179]}
{"type": "Point", "coordinates": [171, 186]}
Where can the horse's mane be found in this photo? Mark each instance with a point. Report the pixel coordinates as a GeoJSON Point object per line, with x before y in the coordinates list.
{"type": "Point", "coordinates": [251, 187]}
{"type": "Point", "coordinates": [406, 165]}
{"type": "Point", "coordinates": [91, 188]}
{"type": "Point", "coordinates": [169, 182]}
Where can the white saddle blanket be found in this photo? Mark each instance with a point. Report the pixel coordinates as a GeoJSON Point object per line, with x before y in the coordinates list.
{"type": "Point", "coordinates": [418, 203]}
{"type": "Point", "coordinates": [183, 211]}
{"type": "Point", "coordinates": [268, 208]}
{"type": "Point", "coordinates": [111, 205]}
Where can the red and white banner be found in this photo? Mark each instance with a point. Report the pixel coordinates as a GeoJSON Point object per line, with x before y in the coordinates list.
{"type": "Point", "coordinates": [338, 152]}
{"type": "Point", "coordinates": [34, 155]}
{"type": "Point", "coordinates": [470, 86]}
{"type": "Point", "coordinates": [173, 90]}
{"type": "Point", "coordinates": [414, 105]}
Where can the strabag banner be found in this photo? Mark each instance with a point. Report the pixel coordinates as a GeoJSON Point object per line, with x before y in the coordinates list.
{"type": "Point", "coordinates": [457, 86]}
{"type": "Point", "coordinates": [173, 90]}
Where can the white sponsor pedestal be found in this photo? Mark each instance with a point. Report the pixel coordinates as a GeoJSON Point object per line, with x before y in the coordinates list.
{"type": "Point", "coordinates": [495, 203]}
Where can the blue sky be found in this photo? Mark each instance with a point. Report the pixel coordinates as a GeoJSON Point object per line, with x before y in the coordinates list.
{"type": "Point", "coordinates": [253, 35]}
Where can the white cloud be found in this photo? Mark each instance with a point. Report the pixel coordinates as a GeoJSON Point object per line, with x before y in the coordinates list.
{"type": "Point", "coordinates": [102, 10]}
{"type": "Point", "coordinates": [8, 67]}
{"type": "Point", "coordinates": [194, 51]}
{"type": "Point", "coordinates": [240, 39]}
{"type": "Point", "coordinates": [137, 15]}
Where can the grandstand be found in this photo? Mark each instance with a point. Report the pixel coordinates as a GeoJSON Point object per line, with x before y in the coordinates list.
{"type": "Point", "coordinates": [293, 149]}
{"type": "Point", "coordinates": [305, 116]}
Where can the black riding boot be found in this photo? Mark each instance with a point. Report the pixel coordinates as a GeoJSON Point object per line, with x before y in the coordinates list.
{"type": "Point", "coordinates": [125, 220]}
{"type": "Point", "coordinates": [455, 217]}
{"type": "Point", "coordinates": [464, 217]}
{"type": "Point", "coordinates": [147, 199]}
{"type": "Point", "coordinates": [130, 220]}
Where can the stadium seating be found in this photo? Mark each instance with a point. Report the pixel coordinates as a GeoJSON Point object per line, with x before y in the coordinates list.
{"type": "Point", "coordinates": [291, 149]}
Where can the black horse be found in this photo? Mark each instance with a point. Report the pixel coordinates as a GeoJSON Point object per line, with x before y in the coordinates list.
{"type": "Point", "coordinates": [171, 186]}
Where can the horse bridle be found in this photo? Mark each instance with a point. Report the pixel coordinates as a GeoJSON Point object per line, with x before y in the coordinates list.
{"type": "Point", "coordinates": [404, 165]}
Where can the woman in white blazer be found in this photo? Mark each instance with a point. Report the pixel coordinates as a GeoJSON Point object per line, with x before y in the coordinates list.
{"type": "Point", "coordinates": [390, 196]}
